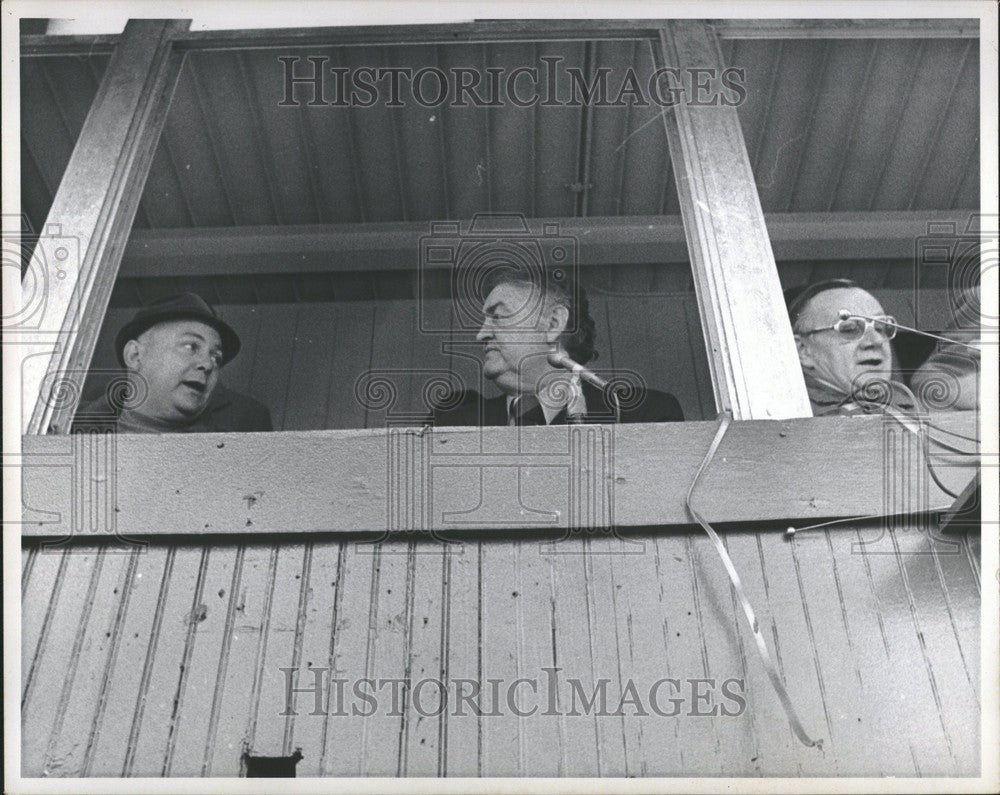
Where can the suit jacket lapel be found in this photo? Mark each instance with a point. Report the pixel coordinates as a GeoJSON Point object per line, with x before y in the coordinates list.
{"type": "Point", "coordinates": [597, 409]}
{"type": "Point", "coordinates": [495, 409]}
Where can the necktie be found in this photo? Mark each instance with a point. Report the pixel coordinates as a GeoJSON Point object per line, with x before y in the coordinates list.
{"type": "Point", "coordinates": [526, 410]}
{"type": "Point", "coordinates": [576, 407]}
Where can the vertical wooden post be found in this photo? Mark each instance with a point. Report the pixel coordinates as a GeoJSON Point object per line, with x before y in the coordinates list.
{"type": "Point", "coordinates": [76, 261]}
{"type": "Point", "coordinates": [755, 367]}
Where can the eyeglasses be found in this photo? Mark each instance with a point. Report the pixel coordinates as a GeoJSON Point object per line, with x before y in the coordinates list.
{"type": "Point", "coordinates": [854, 328]}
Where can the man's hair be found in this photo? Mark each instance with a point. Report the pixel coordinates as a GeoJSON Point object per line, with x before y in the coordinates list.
{"type": "Point", "coordinates": [797, 298]}
{"type": "Point", "coordinates": [557, 286]}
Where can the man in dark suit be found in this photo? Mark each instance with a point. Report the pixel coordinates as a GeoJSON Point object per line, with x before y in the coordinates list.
{"type": "Point", "coordinates": [528, 316]}
{"type": "Point", "coordinates": [173, 351]}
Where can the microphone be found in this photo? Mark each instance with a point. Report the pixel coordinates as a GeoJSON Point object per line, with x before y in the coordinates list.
{"type": "Point", "coordinates": [561, 359]}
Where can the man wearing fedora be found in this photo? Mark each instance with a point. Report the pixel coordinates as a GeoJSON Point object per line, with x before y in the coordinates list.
{"type": "Point", "coordinates": [174, 350]}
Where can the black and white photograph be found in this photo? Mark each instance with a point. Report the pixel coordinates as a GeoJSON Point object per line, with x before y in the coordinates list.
{"type": "Point", "coordinates": [463, 397]}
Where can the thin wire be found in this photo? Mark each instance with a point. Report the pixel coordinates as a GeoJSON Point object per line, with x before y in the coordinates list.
{"type": "Point", "coordinates": [952, 433]}
{"type": "Point", "coordinates": [922, 439]}
{"type": "Point", "coordinates": [897, 324]}
{"type": "Point", "coordinates": [930, 468]}
{"type": "Point", "coordinates": [791, 531]}
{"type": "Point", "coordinates": [916, 402]}
{"type": "Point", "coordinates": [772, 672]}
{"type": "Point", "coordinates": [951, 447]}
{"type": "Point", "coordinates": [926, 438]}
{"type": "Point", "coordinates": [937, 337]}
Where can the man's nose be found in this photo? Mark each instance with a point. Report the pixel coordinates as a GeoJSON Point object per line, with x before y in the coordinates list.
{"type": "Point", "coordinates": [206, 363]}
{"type": "Point", "coordinates": [484, 334]}
{"type": "Point", "coordinates": [871, 338]}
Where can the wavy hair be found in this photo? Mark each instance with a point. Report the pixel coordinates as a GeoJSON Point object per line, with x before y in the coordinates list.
{"type": "Point", "coordinates": [561, 288]}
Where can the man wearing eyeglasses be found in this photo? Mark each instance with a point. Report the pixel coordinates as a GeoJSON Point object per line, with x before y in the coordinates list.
{"type": "Point", "coordinates": [843, 338]}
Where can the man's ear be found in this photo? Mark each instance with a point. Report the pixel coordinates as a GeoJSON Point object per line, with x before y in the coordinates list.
{"type": "Point", "coordinates": [131, 353]}
{"type": "Point", "coordinates": [805, 357]}
{"type": "Point", "coordinates": [558, 320]}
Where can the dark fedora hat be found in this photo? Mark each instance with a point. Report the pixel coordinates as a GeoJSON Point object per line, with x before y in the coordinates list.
{"type": "Point", "coordinates": [185, 306]}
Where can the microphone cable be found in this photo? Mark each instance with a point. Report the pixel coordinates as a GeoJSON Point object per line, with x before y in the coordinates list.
{"type": "Point", "coordinates": [852, 396]}
{"type": "Point", "coordinates": [955, 434]}
{"type": "Point", "coordinates": [724, 419]}
{"type": "Point", "coordinates": [924, 438]}
{"type": "Point", "coordinates": [618, 405]}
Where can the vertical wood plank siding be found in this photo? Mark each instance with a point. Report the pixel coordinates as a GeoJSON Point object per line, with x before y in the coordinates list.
{"type": "Point", "coordinates": [166, 659]}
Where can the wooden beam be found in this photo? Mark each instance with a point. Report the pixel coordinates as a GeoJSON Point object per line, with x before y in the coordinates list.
{"type": "Point", "coordinates": [846, 28]}
{"type": "Point", "coordinates": [755, 368]}
{"type": "Point", "coordinates": [37, 45]}
{"type": "Point", "coordinates": [484, 30]}
{"type": "Point", "coordinates": [91, 216]}
{"type": "Point", "coordinates": [427, 481]}
{"type": "Point", "coordinates": [374, 246]}
{"type": "Point", "coordinates": [600, 241]}
{"type": "Point", "coordinates": [886, 234]}
{"type": "Point", "coordinates": [42, 45]}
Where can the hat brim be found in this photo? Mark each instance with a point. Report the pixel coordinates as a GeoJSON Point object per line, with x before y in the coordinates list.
{"type": "Point", "coordinates": [230, 339]}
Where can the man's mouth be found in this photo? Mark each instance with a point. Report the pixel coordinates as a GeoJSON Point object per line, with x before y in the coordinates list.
{"type": "Point", "coordinates": [197, 386]}
{"type": "Point", "coordinates": [871, 361]}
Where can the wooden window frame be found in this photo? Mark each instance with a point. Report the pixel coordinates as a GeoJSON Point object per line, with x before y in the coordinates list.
{"type": "Point", "coordinates": [775, 465]}
{"type": "Point", "coordinates": [93, 211]}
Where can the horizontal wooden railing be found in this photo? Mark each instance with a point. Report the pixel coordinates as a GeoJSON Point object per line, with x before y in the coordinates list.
{"type": "Point", "coordinates": [431, 481]}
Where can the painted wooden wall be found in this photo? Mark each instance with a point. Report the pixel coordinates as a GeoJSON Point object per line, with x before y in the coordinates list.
{"type": "Point", "coordinates": [165, 661]}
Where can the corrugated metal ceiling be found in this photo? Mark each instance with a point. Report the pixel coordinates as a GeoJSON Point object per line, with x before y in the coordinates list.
{"type": "Point", "coordinates": [830, 125]}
